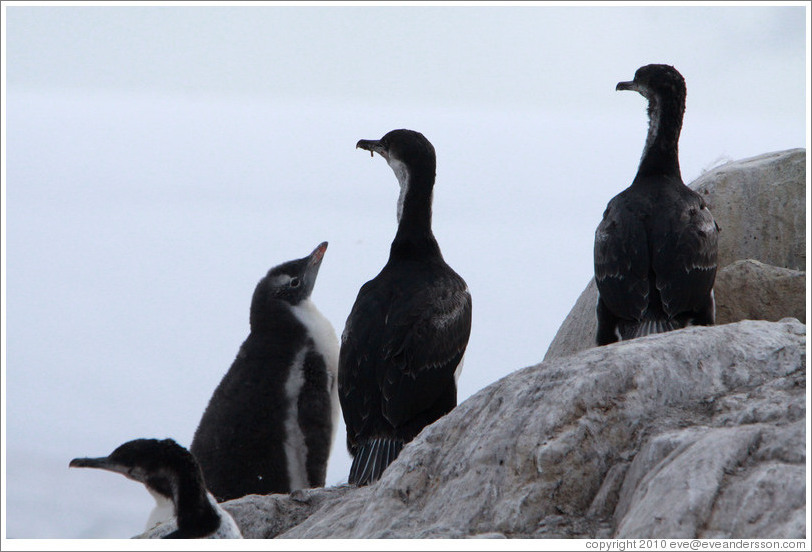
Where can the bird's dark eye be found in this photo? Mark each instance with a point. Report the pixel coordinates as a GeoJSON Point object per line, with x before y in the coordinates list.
{"type": "Point", "coordinates": [295, 282]}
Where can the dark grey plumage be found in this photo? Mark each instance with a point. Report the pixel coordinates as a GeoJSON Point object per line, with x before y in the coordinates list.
{"type": "Point", "coordinates": [270, 423]}
{"type": "Point", "coordinates": [656, 247]}
{"type": "Point", "coordinates": [405, 338]}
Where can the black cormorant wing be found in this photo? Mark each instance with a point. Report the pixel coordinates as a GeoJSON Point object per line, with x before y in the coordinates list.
{"type": "Point", "coordinates": [622, 260]}
{"type": "Point", "coordinates": [399, 352]}
{"type": "Point", "coordinates": [685, 264]}
{"type": "Point", "coordinates": [424, 343]}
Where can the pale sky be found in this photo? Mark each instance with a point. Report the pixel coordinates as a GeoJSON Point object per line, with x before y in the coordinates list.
{"type": "Point", "coordinates": [528, 55]}
{"type": "Point", "coordinates": [160, 159]}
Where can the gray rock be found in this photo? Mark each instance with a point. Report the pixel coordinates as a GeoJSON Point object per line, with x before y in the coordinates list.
{"type": "Point", "coordinates": [751, 290]}
{"type": "Point", "coordinates": [763, 502]}
{"type": "Point", "coordinates": [760, 204]}
{"type": "Point", "coordinates": [266, 517]}
{"type": "Point", "coordinates": [577, 332]}
{"type": "Point", "coordinates": [693, 433]}
{"type": "Point", "coordinates": [676, 495]}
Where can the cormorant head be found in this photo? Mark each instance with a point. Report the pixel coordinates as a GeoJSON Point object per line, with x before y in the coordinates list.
{"type": "Point", "coordinates": [656, 81]}
{"type": "Point", "coordinates": [292, 281]}
{"type": "Point", "coordinates": [409, 154]}
{"type": "Point", "coordinates": [404, 150]}
{"type": "Point", "coordinates": [153, 462]}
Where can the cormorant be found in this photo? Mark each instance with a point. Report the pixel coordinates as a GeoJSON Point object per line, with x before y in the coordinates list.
{"type": "Point", "coordinates": [403, 345]}
{"type": "Point", "coordinates": [656, 247]}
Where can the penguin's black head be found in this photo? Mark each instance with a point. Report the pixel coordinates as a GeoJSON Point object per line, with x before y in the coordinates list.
{"type": "Point", "coordinates": [153, 462]}
{"type": "Point", "coordinates": [291, 282]}
{"type": "Point", "coordinates": [656, 81]}
{"type": "Point", "coordinates": [404, 150]}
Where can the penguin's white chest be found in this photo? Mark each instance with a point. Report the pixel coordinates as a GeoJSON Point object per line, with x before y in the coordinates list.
{"type": "Point", "coordinates": [325, 343]}
{"type": "Point", "coordinates": [321, 332]}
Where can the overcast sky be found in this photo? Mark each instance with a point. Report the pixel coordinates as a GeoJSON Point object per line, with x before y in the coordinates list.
{"type": "Point", "coordinates": [161, 159]}
{"type": "Point", "coordinates": [526, 55]}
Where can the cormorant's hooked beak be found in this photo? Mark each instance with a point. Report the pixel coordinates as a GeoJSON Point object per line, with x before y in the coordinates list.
{"type": "Point", "coordinates": [373, 146]}
{"type": "Point", "coordinates": [627, 85]}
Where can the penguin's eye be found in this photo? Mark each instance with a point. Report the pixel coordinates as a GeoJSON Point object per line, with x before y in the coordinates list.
{"type": "Point", "coordinates": [294, 282]}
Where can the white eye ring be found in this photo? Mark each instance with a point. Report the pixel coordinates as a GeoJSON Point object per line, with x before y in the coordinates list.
{"type": "Point", "coordinates": [294, 282]}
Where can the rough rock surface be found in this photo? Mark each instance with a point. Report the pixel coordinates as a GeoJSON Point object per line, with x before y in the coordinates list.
{"type": "Point", "coordinates": [760, 205]}
{"type": "Point", "coordinates": [579, 328]}
{"type": "Point", "coordinates": [750, 290]}
{"type": "Point", "coordinates": [694, 433]}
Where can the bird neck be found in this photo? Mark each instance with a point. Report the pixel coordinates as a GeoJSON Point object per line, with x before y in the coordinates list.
{"type": "Point", "coordinates": [661, 152]}
{"type": "Point", "coordinates": [414, 235]}
{"type": "Point", "coordinates": [195, 513]}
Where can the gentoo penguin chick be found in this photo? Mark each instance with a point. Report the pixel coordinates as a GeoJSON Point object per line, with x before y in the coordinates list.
{"type": "Point", "coordinates": [405, 338]}
{"type": "Point", "coordinates": [171, 475]}
{"type": "Point", "coordinates": [270, 423]}
{"type": "Point", "coordinates": [656, 247]}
